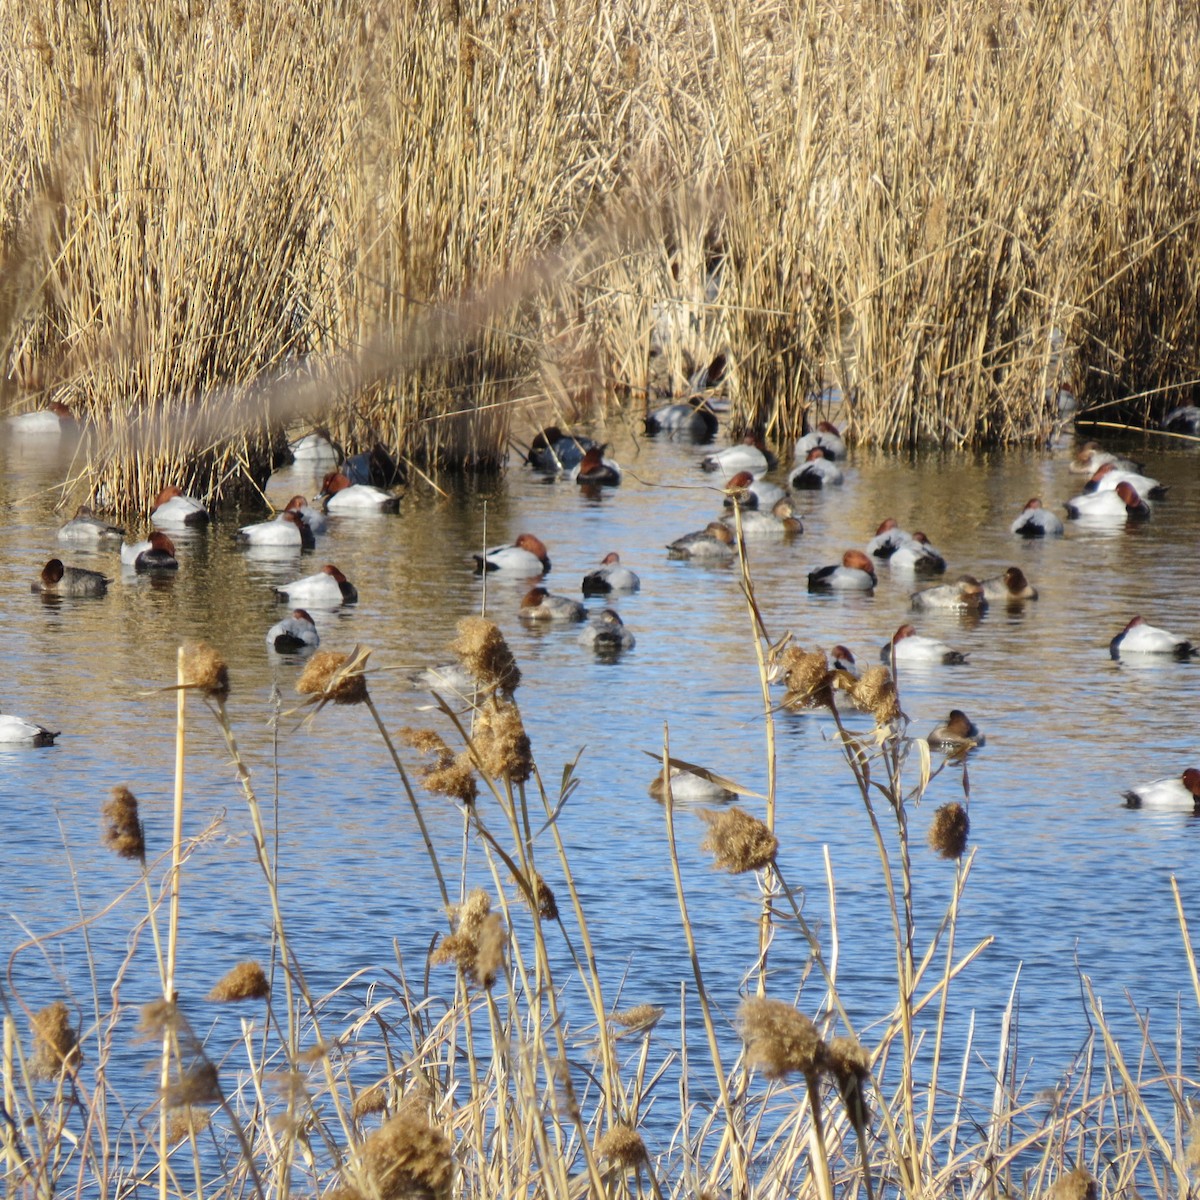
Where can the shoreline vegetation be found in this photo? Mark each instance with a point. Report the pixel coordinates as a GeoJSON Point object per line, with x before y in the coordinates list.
{"type": "Point", "coordinates": [499, 1062]}
{"type": "Point", "coordinates": [432, 226]}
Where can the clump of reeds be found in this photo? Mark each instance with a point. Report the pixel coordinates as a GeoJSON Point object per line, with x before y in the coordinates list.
{"type": "Point", "coordinates": [335, 678]}
{"type": "Point", "coordinates": [246, 981]}
{"type": "Point", "coordinates": [55, 1042]}
{"type": "Point", "coordinates": [478, 942]}
{"type": "Point", "coordinates": [738, 841]}
{"type": "Point", "coordinates": [406, 1158]}
{"type": "Point", "coordinates": [205, 670]}
{"type": "Point", "coordinates": [123, 830]}
{"type": "Point", "coordinates": [949, 830]}
{"type": "Point", "coordinates": [485, 654]}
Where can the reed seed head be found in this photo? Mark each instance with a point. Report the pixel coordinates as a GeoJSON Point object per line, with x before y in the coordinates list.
{"type": "Point", "coordinates": [123, 832]}
{"type": "Point", "coordinates": [478, 942]}
{"type": "Point", "coordinates": [874, 692]}
{"type": "Point", "coordinates": [850, 1066]}
{"type": "Point", "coordinates": [501, 743]}
{"type": "Point", "coordinates": [1078, 1184]}
{"type": "Point", "coordinates": [641, 1018]}
{"type": "Point", "coordinates": [483, 652]}
{"type": "Point", "coordinates": [187, 1121]}
{"type": "Point", "coordinates": [780, 1039]}
{"type": "Point", "coordinates": [428, 741]}
{"type": "Point", "coordinates": [807, 676]}
{"type": "Point", "coordinates": [543, 898]}
{"type": "Point", "coordinates": [199, 1084]}
{"type": "Point", "coordinates": [949, 830]}
{"type": "Point", "coordinates": [158, 1017]}
{"type": "Point", "coordinates": [622, 1146]}
{"type": "Point", "coordinates": [449, 774]}
{"type": "Point", "coordinates": [738, 841]}
{"type": "Point", "coordinates": [205, 670]}
{"type": "Point", "coordinates": [334, 677]}
{"type": "Point", "coordinates": [55, 1042]}
{"type": "Point", "coordinates": [406, 1158]}
{"type": "Point", "coordinates": [373, 1100]}
{"type": "Point", "coordinates": [247, 981]}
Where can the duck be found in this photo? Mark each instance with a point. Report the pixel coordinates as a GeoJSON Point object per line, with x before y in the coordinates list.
{"type": "Point", "coordinates": [17, 731]}
{"type": "Point", "coordinates": [842, 659]}
{"type": "Point", "coordinates": [693, 419]}
{"type": "Point", "coordinates": [1185, 419]}
{"type": "Point", "coordinates": [1091, 456]}
{"type": "Point", "coordinates": [527, 556]}
{"type": "Point", "coordinates": [605, 633]}
{"type": "Point", "coordinates": [317, 447]}
{"type": "Point", "coordinates": [1174, 793]}
{"type": "Point", "coordinates": [744, 491]}
{"type": "Point", "coordinates": [610, 577]}
{"type": "Point", "coordinates": [1036, 521]}
{"type": "Point", "coordinates": [328, 588]}
{"type": "Point", "coordinates": [541, 605]}
{"type": "Point", "coordinates": [825, 436]}
{"type": "Point", "coordinates": [173, 510]}
{"type": "Point", "coordinates": [749, 455]}
{"type": "Point", "coordinates": [57, 580]}
{"type": "Point", "coordinates": [966, 592]}
{"type": "Point", "coordinates": [1121, 504]}
{"type": "Point", "coordinates": [314, 518]}
{"type": "Point", "coordinates": [87, 529]}
{"type": "Point", "coordinates": [889, 537]}
{"type": "Point", "coordinates": [817, 471]}
{"type": "Point", "coordinates": [781, 521]}
{"type": "Point", "coordinates": [342, 496]}
{"type": "Point", "coordinates": [909, 647]}
{"type": "Point", "coordinates": [957, 735]}
{"type": "Point", "coordinates": [375, 467]}
{"type": "Point", "coordinates": [593, 468]}
{"type": "Point", "coordinates": [286, 531]}
{"type": "Point", "coordinates": [853, 574]}
{"type": "Point", "coordinates": [714, 542]}
{"type": "Point", "coordinates": [294, 633]}
{"type": "Point", "coordinates": [156, 553]}
{"type": "Point", "coordinates": [689, 788]}
{"type": "Point", "coordinates": [1012, 587]}
{"type": "Point", "coordinates": [1109, 475]}
{"type": "Point", "coordinates": [450, 678]}
{"type": "Point", "coordinates": [918, 557]}
{"type": "Point", "coordinates": [552, 450]}
{"type": "Point", "coordinates": [1139, 638]}
{"type": "Point", "coordinates": [53, 420]}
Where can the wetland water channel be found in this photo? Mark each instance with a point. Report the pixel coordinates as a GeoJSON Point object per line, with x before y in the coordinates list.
{"type": "Point", "coordinates": [1064, 877]}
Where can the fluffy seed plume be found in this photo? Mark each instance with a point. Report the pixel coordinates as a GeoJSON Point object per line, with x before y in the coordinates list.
{"type": "Point", "coordinates": [738, 841]}
{"type": "Point", "coordinates": [850, 1066]}
{"type": "Point", "coordinates": [501, 743]}
{"type": "Point", "coordinates": [123, 832]}
{"type": "Point", "coordinates": [334, 677]}
{"type": "Point", "coordinates": [1078, 1184]}
{"type": "Point", "coordinates": [205, 670]}
{"type": "Point", "coordinates": [623, 1147]}
{"type": "Point", "coordinates": [247, 981]}
{"type": "Point", "coordinates": [874, 692]}
{"type": "Point", "coordinates": [406, 1158]}
{"type": "Point", "coordinates": [449, 774]}
{"type": "Point", "coordinates": [543, 898]}
{"type": "Point", "coordinates": [478, 942]}
{"type": "Point", "coordinates": [373, 1100]}
{"type": "Point", "coordinates": [807, 677]}
{"type": "Point", "coordinates": [199, 1084]}
{"type": "Point", "coordinates": [55, 1042]}
{"type": "Point", "coordinates": [780, 1039]}
{"type": "Point", "coordinates": [186, 1121]}
{"type": "Point", "coordinates": [949, 831]}
{"type": "Point", "coordinates": [158, 1017]}
{"type": "Point", "coordinates": [483, 652]}
{"type": "Point", "coordinates": [639, 1019]}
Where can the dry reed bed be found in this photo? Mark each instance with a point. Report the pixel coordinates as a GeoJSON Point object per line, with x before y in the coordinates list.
{"type": "Point", "coordinates": [502, 1066]}
{"type": "Point", "coordinates": [217, 219]}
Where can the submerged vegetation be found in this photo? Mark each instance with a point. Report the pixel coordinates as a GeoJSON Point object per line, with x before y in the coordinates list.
{"type": "Point", "coordinates": [498, 1056]}
{"type": "Point", "coordinates": [411, 222]}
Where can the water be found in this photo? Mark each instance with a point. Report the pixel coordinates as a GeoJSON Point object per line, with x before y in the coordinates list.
{"type": "Point", "coordinates": [1062, 872]}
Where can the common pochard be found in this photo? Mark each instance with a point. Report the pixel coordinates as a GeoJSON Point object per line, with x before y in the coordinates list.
{"type": "Point", "coordinates": [917, 557]}
{"type": "Point", "coordinates": [552, 450]}
{"type": "Point", "coordinates": [1109, 507]}
{"type": "Point", "coordinates": [889, 537]}
{"type": "Point", "coordinates": [294, 633]}
{"type": "Point", "coordinates": [1109, 475]}
{"type": "Point", "coordinates": [909, 647]}
{"type": "Point", "coordinates": [1176, 793]}
{"type": "Point", "coordinates": [53, 420]}
{"type": "Point", "coordinates": [965, 593]}
{"type": "Point", "coordinates": [744, 491]}
{"type": "Point", "coordinates": [287, 532]}
{"type": "Point", "coordinates": [342, 496]}
{"type": "Point", "coordinates": [689, 788]}
{"type": "Point", "coordinates": [609, 577]}
{"type": "Point", "coordinates": [605, 633]}
{"type": "Point", "coordinates": [593, 468]}
{"type": "Point", "coordinates": [57, 580]}
{"type": "Point", "coordinates": [541, 605]}
{"type": "Point", "coordinates": [1036, 521]}
{"type": "Point", "coordinates": [693, 419]}
{"type": "Point", "coordinates": [315, 447]}
{"type": "Point", "coordinates": [1139, 638]}
{"type": "Point", "coordinates": [780, 522]}
{"type": "Point", "coordinates": [156, 553]}
{"type": "Point", "coordinates": [817, 471]}
{"type": "Point", "coordinates": [526, 556]}
{"type": "Point", "coordinates": [175, 511]}
{"type": "Point", "coordinates": [750, 455]}
{"type": "Point", "coordinates": [957, 734]}
{"type": "Point", "coordinates": [328, 588]}
{"type": "Point", "coordinates": [1182, 420]}
{"type": "Point", "coordinates": [826, 437]}
{"type": "Point", "coordinates": [855, 573]}
{"type": "Point", "coordinates": [1091, 456]}
{"type": "Point", "coordinates": [87, 529]}
{"type": "Point", "coordinates": [314, 518]}
{"type": "Point", "coordinates": [1010, 588]}
{"type": "Point", "coordinates": [16, 731]}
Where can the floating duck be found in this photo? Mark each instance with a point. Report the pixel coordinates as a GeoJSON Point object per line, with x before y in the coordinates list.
{"type": "Point", "coordinates": [1036, 521]}
{"type": "Point", "coordinates": [609, 577]}
{"type": "Point", "coordinates": [57, 580]}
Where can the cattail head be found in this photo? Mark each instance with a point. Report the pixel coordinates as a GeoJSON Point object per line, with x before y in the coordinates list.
{"type": "Point", "coordinates": [1078, 1184]}
{"type": "Point", "coordinates": [407, 1158]}
{"type": "Point", "coordinates": [478, 942]}
{"type": "Point", "coordinates": [500, 742]}
{"type": "Point", "coordinates": [641, 1018]}
{"type": "Point", "coordinates": [339, 678]}
{"type": "Point", "coordinates": [807, 676]}
{"type": "Point", "coordinates": [484, 653]}
{"type": "Point", "coordinates": [874, 692]}
{"type": "Point", "coordinates": [738, 841]}
{"type": "Point", "coordinates": [780, 1039]}
{"type": "Point", "coordinates": [123, 832]}
{"type": "Point", "coordinates": [205, 670]}
{"type": "Point", "coordinates": [949, 830]}
{"type": "Point", "coordinates": [623, 1147]}
{"type": "Point", "coordinates": [247, 981]}
{"type": "Point", "coordinates": [55, 1042]}
{"type": "Point", "coordinates": [850, 1066]}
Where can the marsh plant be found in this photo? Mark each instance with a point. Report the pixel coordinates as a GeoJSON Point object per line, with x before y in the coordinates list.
{"type": "Point", "coordinates": [509, 1062]}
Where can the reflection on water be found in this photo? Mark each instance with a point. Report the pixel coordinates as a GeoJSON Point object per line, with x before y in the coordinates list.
{"type": "Point", "coordinates": [1061, 872]}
